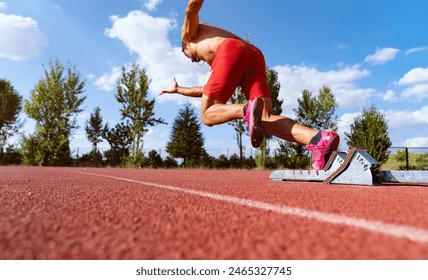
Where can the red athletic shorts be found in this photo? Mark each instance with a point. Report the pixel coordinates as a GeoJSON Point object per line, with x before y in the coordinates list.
{"type": "Point", "coordinates": [237, 63]}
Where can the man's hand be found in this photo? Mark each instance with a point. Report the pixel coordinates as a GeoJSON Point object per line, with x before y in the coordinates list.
{"type": "Point", "coordinates": [186, 91]}
{"type": "Point", "coordinates": [173, 88]}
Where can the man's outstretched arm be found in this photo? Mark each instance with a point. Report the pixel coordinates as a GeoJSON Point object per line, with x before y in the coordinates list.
{"type": "Point", "coordinates": [191, 21]}
{"type": "Point", "coordinates": [174, 88]}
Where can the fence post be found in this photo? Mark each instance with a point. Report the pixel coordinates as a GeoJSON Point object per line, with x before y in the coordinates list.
{"type": "Point", "coordinates": [407, 158]}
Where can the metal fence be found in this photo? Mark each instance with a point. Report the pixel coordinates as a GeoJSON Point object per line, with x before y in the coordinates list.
{"type": "Point", "coordinates": [409, 152]}
{"type": "Point", "coordinates": [215, 152]}
{"type": "Point", "coordinates": [410, 162]}
{"type": "Point", "coordinates": [247, 152]}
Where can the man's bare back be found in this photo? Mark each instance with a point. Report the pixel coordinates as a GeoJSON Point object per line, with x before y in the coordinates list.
{"type": "Point", "coordinates": [208, 38]}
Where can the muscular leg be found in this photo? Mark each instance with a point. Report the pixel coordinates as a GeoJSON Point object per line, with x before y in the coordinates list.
{"type": "Point", "coordinates": [284, 127]}
{"type": "Point", "coordinates": [215, 112]}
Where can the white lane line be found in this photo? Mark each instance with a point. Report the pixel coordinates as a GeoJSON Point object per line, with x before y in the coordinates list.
{"type": "Point", "coordinates": [394, 230]}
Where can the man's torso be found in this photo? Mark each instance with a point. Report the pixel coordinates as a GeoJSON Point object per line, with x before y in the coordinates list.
{"type": "Point", "coordinates": [205, 45]}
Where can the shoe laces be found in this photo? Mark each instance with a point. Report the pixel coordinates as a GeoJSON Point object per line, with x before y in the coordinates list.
{"type": "Point", "coordinates": [316, 153]}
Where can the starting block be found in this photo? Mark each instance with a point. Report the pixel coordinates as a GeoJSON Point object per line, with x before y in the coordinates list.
{"type": "Point", "coordinates": [356, 167]}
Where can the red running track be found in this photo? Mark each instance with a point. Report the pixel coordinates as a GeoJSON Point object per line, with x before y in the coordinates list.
{"type": "Point", "coordinates": [77, 213]}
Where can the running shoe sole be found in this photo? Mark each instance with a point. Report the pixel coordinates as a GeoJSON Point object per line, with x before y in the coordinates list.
{"type": "Point", "coordinates": [332, 147]}
{"type": "Point", "coordinates": [257, 132]}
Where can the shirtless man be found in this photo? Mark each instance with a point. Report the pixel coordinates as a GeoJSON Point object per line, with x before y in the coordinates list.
{"type": "Point", "coordinates": [234, 63]}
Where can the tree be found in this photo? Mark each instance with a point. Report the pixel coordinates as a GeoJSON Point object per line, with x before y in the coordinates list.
{"type": "Point", "coordinates": [186, 139]}
{"type": "Point", "coordinates": [291, 155]}
{"type": "Point", "coordinates": [31, 151]}
{"type": "Point", "coordinates": [132, 89]}
{"type": "Point", "coordinates": [422, 161]}
{"type": "Point", "coordinates": [170, 162]}
{"type": "Point", "coordinates": [93, 159]}
{"type": "Point", "coordinates": [94, 132]}
{"type": "Point", "coordinates": [239, 125]}
{"type": "Point", "coordinates": [370, 131]}
{"type": "Point", "coordinates": [316, 112]}
{"type": "Point", "coordinates": [10, 107]}
{"type": "Point", "coordinates": [327, 108]}
{"type": "Point", "coordinates": [54, 104]}
{"type": "Point", "coordinates": [94, 128]}
{"type": "Point", "coordinates": [401, 155]}
{"type": "Point", "coordinates": [274, 86]}
{"type": "Point", "coordinates": [222, 162]}
{"type": "Point", "coordinates": [153, 160]}
{"type": "Point", "coordinates": [119, 139]}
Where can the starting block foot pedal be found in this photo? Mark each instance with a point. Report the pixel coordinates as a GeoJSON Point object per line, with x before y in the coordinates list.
{"type": "Point", "coordinates": [359, 168]}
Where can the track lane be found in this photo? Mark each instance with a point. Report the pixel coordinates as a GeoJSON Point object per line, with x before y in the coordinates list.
{"type": "Point", "coordinates": [399, 231]}
{"type": "Point", "coordinates": [71, 215]}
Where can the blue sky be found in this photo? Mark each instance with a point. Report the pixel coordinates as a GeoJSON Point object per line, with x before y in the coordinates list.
{"type": "Point", "coordinates": [368, 52]}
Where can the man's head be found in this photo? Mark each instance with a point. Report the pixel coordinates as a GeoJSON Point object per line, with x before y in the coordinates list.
{"type": "Point", "coordinates": [187, 52]}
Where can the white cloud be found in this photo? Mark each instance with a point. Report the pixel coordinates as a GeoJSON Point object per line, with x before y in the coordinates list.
{"type": "Point", "coordinates": [91, 76]}
{"type": "Point", "coordinates": [294, 79]}
{"type": "Point", "coordinates": [399, 120]}
{"type": "Point", "coordinates": [416, 142]}
{"type": "Point", "coordinates": [416, 93]}
{"type": "Point", "coordinates": [152, 4]}
{"type": "Point", "coordinates": [414, 76]}
{"type": "Point", "coordinates": [414, 50]}
{"type": "Point", "coordinates": [343, 46]}
{"type": "Point", "coordinates": [82, 117]}
{"type": "Point", "coordinates": [416, 83]}
{"type": "Point", "coordinates": [147, 36]}
{"type": "Point", "coordinates": [382, 56]}
{"type": "Point", "coordinates": [108, 81]}
{"type": "Point", "coordinates": [3, 6]}
{"type": "Point", "coordinates": [389, 96]}
{"type": "Point", "coordinates": [156, 138]}
{"type": "Point", "coordinates": [340, 46]}
{"type": "Point", "coordinates": [20, 37]}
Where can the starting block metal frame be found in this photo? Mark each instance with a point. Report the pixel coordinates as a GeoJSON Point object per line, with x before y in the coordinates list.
{"type": "Point", "coordinates": [356, 167]}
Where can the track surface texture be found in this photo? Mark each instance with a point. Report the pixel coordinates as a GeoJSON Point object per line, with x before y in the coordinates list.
{"type": "Point", "coordinates": [77, 213]}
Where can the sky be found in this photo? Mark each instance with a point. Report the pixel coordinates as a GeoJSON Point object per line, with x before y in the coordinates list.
{"type": "Point", "coordinates": [369, 52]}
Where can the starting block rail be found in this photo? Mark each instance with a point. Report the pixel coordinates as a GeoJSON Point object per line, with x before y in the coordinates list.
{"type": "Point", "coordinates": [356, 167]}
{"type": "Point", "coordinates": [394, 176]}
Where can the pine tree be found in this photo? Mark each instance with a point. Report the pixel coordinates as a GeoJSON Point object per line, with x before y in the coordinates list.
{"type": "Point", "coordinates": [94, 128]}
{"type": "Point", "coordinates": [370, 131]}
{"type": "Point", "coordinates": [186, 140]}
{"type": "Point", "coordinates": [119, 139]}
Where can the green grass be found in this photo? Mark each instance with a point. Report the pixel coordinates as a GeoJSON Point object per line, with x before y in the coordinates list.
{"type": "Point", "coordinates": [394, 164]}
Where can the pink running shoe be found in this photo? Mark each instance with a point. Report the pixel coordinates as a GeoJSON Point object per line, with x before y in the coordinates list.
{"type": "Point", "coordinates": [323, 149]}
{"type": "Point", "coordinates": [253, 118]}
